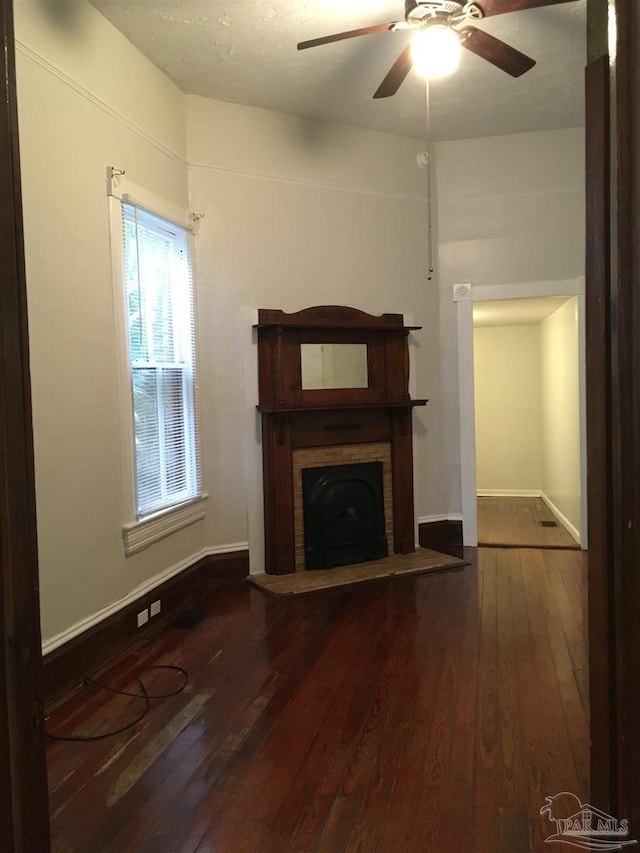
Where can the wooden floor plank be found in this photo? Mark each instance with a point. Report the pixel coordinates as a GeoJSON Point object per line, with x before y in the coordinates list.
{"type": "Point", "coordinates": [296, 709]}
{"type": "Point", "coordinates": [569, 657]}
{"type": "Point", "coordinates": [417, 716]}
{"type": "Point", "coordinates": [563, 772]}
{"type": "Point", "coordinates": [457, 795]}
{"type": "Point", "coordinates": [340, 792]}
{"type": "Point", "coordinates": [439, 803]}
{"type": "Point", "coordinates": [288, 745]}
{"type": "Point", "coordinates": [487, 756]}
{"type": "Point", "coordinates": [512, 779]}
{"type": "Point", "coordinates": [517, 522]}
{"type": "Point", "coordinates": [434, 712]}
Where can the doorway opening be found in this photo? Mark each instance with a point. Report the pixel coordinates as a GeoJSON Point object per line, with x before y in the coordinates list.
{"type": "Point", "coordinates": [521, 365]}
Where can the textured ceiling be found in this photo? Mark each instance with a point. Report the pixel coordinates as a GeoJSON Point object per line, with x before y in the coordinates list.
{"type": "Point", "coordinates": [516, 312]}
{"type": "Point", "coordinates": [245, 51]}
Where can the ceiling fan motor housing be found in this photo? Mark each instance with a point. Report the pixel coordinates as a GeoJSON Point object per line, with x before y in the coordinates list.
{"type": "Point", "coordinates": [422, 12]}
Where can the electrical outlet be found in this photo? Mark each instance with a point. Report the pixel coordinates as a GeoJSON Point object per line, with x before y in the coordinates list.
{"type": "Point", "coordinates": [143, 617]}
{"type": "Point", "coordinates": [155, 608]}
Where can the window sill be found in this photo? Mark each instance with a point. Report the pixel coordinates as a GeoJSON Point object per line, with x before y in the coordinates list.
{"type": "Point", "coordinates": [141, 534]}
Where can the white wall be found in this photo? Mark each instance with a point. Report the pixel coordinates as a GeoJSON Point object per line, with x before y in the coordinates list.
{"type": "Point", "coordinates": [507, 376]}
{"type": "Point", "coordinates": [560, 411]}
{"type": "Point", "coordinates": [299, 214]}
{"type": "Point", "coordinates": [87, 99]}
{"type": "Point", "coordinates": [295, 214]}
{"type": "Point", "coordinates": [510, 209]}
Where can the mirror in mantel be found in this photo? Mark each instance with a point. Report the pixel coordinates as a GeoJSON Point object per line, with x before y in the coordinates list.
{"type": "Point", "coordinates": [330, 366]}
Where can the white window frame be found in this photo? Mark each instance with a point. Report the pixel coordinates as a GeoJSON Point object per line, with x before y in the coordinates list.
{"type": "Point", "coordinates": [139, 533]}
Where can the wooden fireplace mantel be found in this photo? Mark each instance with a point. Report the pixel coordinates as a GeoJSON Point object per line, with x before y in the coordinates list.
{"type": "Point", "coordinates": [316, 407]}
{"type": "Point", "coordinates": [293, 417]}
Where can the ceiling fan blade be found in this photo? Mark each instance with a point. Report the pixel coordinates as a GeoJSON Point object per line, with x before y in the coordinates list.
{"type": "Point", "coordinates": [396, 75]}
{"type": "Point", "coordinates": [496, 52]}
{"type": "Point", "coordinates": [501, 7]}
{"type": "Point", "coordinates": [363, 31]}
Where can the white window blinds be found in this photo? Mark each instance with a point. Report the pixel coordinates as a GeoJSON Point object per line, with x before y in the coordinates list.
{"type": "Point", "coordinates": [160, 315]}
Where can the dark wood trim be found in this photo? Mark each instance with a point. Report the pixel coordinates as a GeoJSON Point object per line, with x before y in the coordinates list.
{"type": "Point", "coordinates": [65, 667]}
{"type": "Point", "coordinates": [440, 535]}
{"type": "Point", "coordinates": [625, 413]}
{"type": "Point", "coordinates": [598, 366]}
{"type": "Point", "coordinates": [24, 824]}
{"type": "Point", "coordinates": [330, 316]}
{"type": "Point", "coordinates": [613, 414]}
{"type": "Point", "coordinates": [281, 335]}
{"type": "Point", "coordinates": [404, 535]}
{"type": "Point", "coordinates": [277, 468]}
{"type": "Point", "coordinates": [347, 404]}
{"type": "Point", "coordinates": [319, 428]}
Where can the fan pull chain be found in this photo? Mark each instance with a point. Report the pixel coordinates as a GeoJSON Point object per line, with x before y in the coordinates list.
{"type": "Point", "coordinates": [429, 187]}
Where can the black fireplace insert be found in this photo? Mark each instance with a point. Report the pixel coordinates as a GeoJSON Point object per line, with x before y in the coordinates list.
{"type": "Point", "coordinates": [343, 509]}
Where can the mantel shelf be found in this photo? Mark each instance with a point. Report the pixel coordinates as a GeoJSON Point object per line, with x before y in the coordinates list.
{"type": "Point", "coordinates": [358, 328]}
{"type": "Point", "coordinates": [324, 407]}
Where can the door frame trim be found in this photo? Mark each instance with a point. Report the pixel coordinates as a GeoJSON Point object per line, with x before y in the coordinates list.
{"type": "Point", "coordinates": [465, 295]}
{"type": "Point", "coordinates": [24, 816]}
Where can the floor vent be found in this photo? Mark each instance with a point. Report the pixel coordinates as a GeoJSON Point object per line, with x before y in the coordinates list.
{"type": "Point", "coordinates": [549, 523]}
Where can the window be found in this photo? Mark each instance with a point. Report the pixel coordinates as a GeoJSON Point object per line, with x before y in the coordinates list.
{"type": "Point", "coordinates": [159, 305]}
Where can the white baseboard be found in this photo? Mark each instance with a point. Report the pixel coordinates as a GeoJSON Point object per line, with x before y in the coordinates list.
{"type": "Point", "coordinates": [509, 493]}
{"type": "Point", "coordinates": [561, 518]}
{"type": "Point", "coordinates": [148, 586]}
{"type": "Point", "coordinates": [430, 519]}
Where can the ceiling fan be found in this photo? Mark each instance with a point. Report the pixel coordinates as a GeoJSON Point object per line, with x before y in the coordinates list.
{"type": "Point", "coordinates": [454, 17]}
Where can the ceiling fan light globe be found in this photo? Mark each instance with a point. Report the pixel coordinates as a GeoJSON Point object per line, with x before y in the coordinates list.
{"type": "Point", "coordinates": [435, 51]}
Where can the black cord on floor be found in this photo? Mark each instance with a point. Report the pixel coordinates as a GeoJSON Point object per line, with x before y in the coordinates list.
{"type": "Point", "coordinates": [143, 694]}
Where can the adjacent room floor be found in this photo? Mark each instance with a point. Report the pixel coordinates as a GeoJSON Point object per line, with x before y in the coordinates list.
{"type": "Point", "coordinates": [520, 522]}
{"type": "Point", "coordinates": [430, 713]}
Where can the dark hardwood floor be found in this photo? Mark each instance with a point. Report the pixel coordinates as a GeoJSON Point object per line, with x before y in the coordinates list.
{"type": "Point", "coordinates": [432, 713]}
{"type": "Point", "coordinates": [517, 523]}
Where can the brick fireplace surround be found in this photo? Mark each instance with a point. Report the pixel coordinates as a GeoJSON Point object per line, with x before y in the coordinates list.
{"type": "Point", "coordinates": [316, 457]}
{"type": "Point", "coordinates": [310, 428]}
